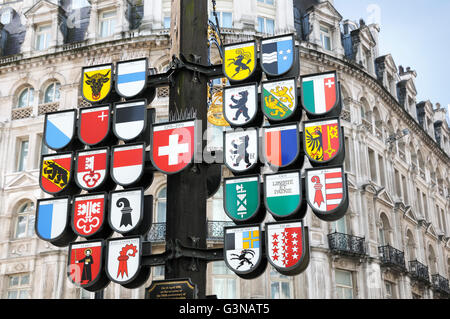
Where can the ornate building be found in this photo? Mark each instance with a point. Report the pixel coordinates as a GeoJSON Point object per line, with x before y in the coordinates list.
{"type": "Point", "coordinates": [394, 241]}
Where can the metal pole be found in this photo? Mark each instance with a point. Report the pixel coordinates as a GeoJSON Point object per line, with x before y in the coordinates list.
{"type": "Point", "coordinates": [186, 191]}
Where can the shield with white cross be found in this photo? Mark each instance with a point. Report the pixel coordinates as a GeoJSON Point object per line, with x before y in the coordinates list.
{"type": "Point", "coordinates": [173, 145]}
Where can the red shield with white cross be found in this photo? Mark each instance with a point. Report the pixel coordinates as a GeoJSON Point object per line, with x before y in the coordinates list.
{"type": "Point", "coordinates": [94, 124]}
{"type": "Point", "coordinates": [173, 146]}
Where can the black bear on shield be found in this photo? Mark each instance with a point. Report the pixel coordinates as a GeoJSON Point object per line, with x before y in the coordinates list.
{"type": "Point", "coordinates": [241, 151]}
{"type": "Point", "coordinates": [240, 105]}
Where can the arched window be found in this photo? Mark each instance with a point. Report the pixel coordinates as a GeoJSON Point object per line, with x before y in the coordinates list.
{"type": "Point", "coordinates": [52, 92]}
{"type": "Point", "coordinates": [24, 226]}
{"type": "Point", "coordinates": [26, 98]}
{"type": "Point", "coordinates": [161, 205]}
{"type": "Point", "coordinates": [410, 245]}
{"type": "Point", "coordinates": [383, 231]}
{"type": "Point", "coordinates": [432, 262]}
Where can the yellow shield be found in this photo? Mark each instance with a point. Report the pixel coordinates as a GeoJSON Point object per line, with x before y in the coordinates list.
{"type": "Point", "coordinates": [240, 61]}
{"type": "Point", "coordinates": [96, 83]}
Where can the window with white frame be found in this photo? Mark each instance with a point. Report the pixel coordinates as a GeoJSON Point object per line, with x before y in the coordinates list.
{"type": "Point", "coordinates": [158, 273]}
{"type": "Point", "coordinates": [280, 285]}
{"type": "Point", "coordinates": [344, 284]}
{"type": "Point", "coordinates": [389, 290]}
{"type": "Point", "coordinates": [265, 25]}
{"type": "Point", "coordinates": [224, 283]}
{"type": "Point", "coordinates": [52, 92]}
{"type": "Point", "coordinates": [24, 221]}
{"type": "Point", "coordinates": [108, 20]}
{"type": "Point", "coordinates": [19, 287]}
{"type": "Point", "coordinates": [43, 37]}
{"type": "Point", "coordinates": [270, 2]}
{"type": "Point", "coordinates": [22, 155]}
{"type": "Point", "coordinates": [339, 226]}
{"type": "Point", "coordinates": [78, 4]}
{"type": "Point", "coordinates": [161, 204]}
{"type": "Point", "coordinates": [166, 22]}
{"type": "Point", "coordinates": [225, 18]}
{"type": "Point", "coordinates": [26, 98]}
{"type": "Point", "coordinates": [325, 37]}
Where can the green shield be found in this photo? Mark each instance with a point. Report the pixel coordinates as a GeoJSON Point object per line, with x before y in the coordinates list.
{"type": "Point", "coordinates": [241, 197]}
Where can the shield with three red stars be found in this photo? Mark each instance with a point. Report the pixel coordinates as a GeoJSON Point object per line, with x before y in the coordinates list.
{"type": "Point", "coordinates": [287, 246]}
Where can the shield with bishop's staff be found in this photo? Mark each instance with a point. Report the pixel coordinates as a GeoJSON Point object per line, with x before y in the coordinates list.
{"type": "Point", "coordinates": [326, 192]}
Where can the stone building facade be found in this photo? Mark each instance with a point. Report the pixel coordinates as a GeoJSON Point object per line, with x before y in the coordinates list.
{"type": "Point", "coordinates": [394, 241]}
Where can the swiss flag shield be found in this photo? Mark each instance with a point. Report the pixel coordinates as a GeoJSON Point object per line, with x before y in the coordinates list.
{"type": "Point", "coordinates": [94, 124]}
{"type": "Point", "coordinates": [173, 146]}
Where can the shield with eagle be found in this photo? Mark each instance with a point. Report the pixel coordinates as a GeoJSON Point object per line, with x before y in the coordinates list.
{"type": "Point", "coordinates": [96, 82]}
{"type": "Point", "coordinates": [323, 141]}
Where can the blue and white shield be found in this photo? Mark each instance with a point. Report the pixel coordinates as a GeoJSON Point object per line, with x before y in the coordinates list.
{"type": "Point", "coordinates": [59, 129]}
{"type": "Point", "coordinates": [52, 218]}
{"type": "Point", "coordinates": [277, 54]}
{"type": "Point", "coordinates": [131, 77]}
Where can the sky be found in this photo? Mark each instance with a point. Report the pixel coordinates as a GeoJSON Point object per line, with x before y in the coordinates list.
{"type": "Point", "coordinates": [416, 33]}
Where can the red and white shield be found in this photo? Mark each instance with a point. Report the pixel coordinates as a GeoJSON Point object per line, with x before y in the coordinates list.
{"type": "Point", "coordinates": [173, 146]}
{"type": "Point", "coordinates": [325, 188]}
{"type": "Point", "coordinates": [88, 214]}
{"type": "Point", "coordinates": [123, 259]}
{"type": "Point", "coordinates": [94, 124]}
{"type": "Point", "coordinates": [91, 168]}
{"type": "Point", "coordinates": [127, 163]}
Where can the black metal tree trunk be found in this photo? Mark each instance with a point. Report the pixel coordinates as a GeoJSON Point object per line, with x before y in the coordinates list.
{"type": "Point", "coordinates": [186, 191]}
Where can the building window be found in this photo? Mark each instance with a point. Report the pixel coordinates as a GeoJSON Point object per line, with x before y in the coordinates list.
{"type": "Point", "coordinates": [339, 226]}
{"type": "Point", "coordinates": [107, 23]}
{"type": "Point", "coordinates": [19, 287]}
{"type": "Point", "coordinates": [225, 19]}
{"type": "Point", "coordinates": [266, 1]}
{"type": "Point", "coordinates": [344, 284]}
{"type": "Point", "coordinates": [325, 38]}
{"type": "Point", "coordinates": [43, 37]}
{"type": "Point", "coordinates": [6, 17]}
{"type": "Point", "coordinates": [26, 98]}
{"type": "Point", "coordinates": [23, 156]}
{"type": "Point", "coordinates": [52, 93]}
{"type": "Point", "coordinates": [390, 290]}
{"type": "Point", "coordinates": [166, 22]}
{"type": "Point", "coordinates": [158, 272]}
{"type": "Point", "coordinates": [25, 221]}
{"type": "Point", "coordinates": [161, 204]}
{"type": "Point", "coordinates": [372, 166]}
{"type": "Point", "coordinates": [280, 285]}
{"type": "Point", "coordinates": [224, 281]}
{"type": "Point", "coordinates": [265, 25]}
{"type": "Point", "coordinates": [78, 4]}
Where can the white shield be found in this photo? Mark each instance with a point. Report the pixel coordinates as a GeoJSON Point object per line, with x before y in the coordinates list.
{"type": "Point", "coordinates": [123, 261]}
{"type": "Point", "coordinates": [125, 210]}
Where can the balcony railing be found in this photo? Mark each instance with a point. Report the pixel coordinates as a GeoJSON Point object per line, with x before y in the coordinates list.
{"type": "Point", "coordinates": [347, 244]}
{"type": "Point", "coordinates": [419, 271]}
{"type": "Point", "coordinates": [440, 284]}
{"type": "Point", "coordinates": [157, 232]}
{"type": "Point", "coordinates": [391, 257]}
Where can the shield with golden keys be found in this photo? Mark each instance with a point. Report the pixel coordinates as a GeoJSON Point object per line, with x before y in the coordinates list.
{"type": "Point", "coordinates": [96, 82]}
{"type": "Point", "coordinates": [239, 60]}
